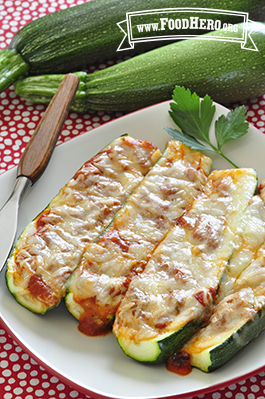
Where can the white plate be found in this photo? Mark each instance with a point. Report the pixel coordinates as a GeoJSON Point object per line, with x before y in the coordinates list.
{"type": "Point", "coordinates": [97, 366]}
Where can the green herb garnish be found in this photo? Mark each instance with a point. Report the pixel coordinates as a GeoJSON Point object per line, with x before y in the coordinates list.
{"type": "Point", "coordinates": [194, 117]}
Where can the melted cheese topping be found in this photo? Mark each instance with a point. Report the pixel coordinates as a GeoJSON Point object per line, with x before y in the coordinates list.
{"type": "Point", "coordinates": [232, 313]}
{"type": "Point", "coordinates": [242, 292]}
{"type": "Point", "coordinates": [182, 276]}
{"type": "Point", "coordinates": [253, 276]}
{"type": "Point", "coordinates": [122, 251]}
{"type": "Point", "coordinates": [51, 246]}
{"type": "Point", "coordinates": [250, 234]}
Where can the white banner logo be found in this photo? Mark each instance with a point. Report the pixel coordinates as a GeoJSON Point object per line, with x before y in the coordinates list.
{"type": "Point", "coordinates": [184, 23]}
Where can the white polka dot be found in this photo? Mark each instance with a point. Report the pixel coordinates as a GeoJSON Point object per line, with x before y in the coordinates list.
{"type": "Point", "coordinates": [254, 388]}
{"type": "Point", "coordinates": [22, 375]}
{"type": "Point", "coordinates": [39, 393]}
{"type": "Point", "coordinates": [18, 349]}
{"type": "Point", "coordinates": [45, 385]}
{"type": "Point", "coordinates": [18, 391]}
{"type": "Point", "coordinates": [13, 357]}
{"type": "Point", "coordinates": [216, 395]}
{"type": "Point", "coordinates": [34, 381]}
{"type": "Point", "coordinates": [3, 364]}
{"type": "Point", "coordinates": [16, 367]}
{"type": "Point", "coordinates": [106, 118]}
{"type": "Point", "coordinates": [6, 373]}
{"type": "Point", "coordinates": [232, 387]}
{"type": "Point", "coordinates": [73, 394]}
{"type": "Point", "coordinates": [60, 387]}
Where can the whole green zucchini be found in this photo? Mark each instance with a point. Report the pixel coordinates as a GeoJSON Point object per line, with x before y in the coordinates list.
{"type": "Point", "coordinates": [78, 36]}
{"type": "Point", "coordinates": [221, 69]}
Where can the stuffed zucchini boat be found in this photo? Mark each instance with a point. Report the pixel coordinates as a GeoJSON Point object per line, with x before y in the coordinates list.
{"type": "Point", "coordinates": [238, 316]}
{"type": "Point", "coordinates": [169, 301]}
{"type": "Point", "coordinates": [98, 285]}
{"type": "Point", "coordinates": [51, 246]}
{"type": "Point", "coordinates": [236, 321]}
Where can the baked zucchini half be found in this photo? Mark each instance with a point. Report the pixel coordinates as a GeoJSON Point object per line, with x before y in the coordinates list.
{"type": "Point", "coordinates": [236, 321]}
{"type": "Point", "coordinates": [51, 246]}
{"type": "Point", "coordinates": [174, 295]}
{"type": "Point", "coordinates": [238, 316]}
{"type": "Point", "coordinates": [98, 285]}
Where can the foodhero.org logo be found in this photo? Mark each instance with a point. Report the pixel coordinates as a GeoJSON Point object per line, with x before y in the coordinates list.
{"type": "Point", "coordinates": [185, 23]}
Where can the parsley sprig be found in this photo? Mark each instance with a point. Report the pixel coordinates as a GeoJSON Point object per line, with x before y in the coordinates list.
{"type": "Point", "coordinates": [194, 117]}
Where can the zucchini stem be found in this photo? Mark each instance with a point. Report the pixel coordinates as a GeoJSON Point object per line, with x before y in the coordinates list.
{"type": "Point", "coordinates": [12, 67]}
{"type": "Point", "coordinates": [41, 89]}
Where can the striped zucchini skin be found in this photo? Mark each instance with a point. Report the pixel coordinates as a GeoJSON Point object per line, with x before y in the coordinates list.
{"type": "Point", "coordinates": [82, 35]}
{"type": "Point", "coordinates": [220, 69]}
{"type": "Point", "coordinates": [200, 65]}
{"type": "Point", "coordinates": [233, 345]}
{"type": "Point", "coordinates": [159, 350]}
{"type": "Point", "coordinates": [174, 295]}
{"type": "Point", "coordinates": [244, 331]}
{"type": "Point", "coordinates": [87, 33]}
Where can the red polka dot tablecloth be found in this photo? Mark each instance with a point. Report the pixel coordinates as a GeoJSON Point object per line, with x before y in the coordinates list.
{"type": "Point", "coordinates": [21, 377]}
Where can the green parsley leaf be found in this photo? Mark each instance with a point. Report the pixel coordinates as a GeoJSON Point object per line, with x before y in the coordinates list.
{"type": "Point", "coordinates": [231, 127]}
{"type": "Point", "coordinates": [194, 117]}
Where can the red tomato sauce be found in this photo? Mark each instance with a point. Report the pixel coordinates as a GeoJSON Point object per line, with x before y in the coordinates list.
{"type": "Point", "coordinates": [94, 321]}
{"type": "Point", "coordinates": [179, 363]}
{"type": "Point", "coordinates": [40, 290]}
